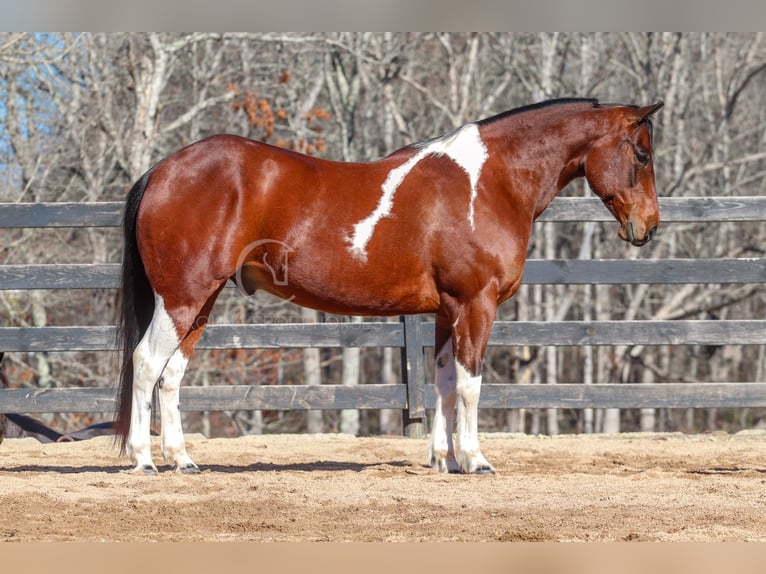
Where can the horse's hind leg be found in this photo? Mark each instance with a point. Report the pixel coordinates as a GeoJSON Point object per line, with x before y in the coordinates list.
{"type": "Point", "coordinates": [172, 437]}
{"type": "Point", "coordinates": [151, 358]}
{"type": "Point", "coordinates": [160, 359]}
{"type": "Point", "coordinates": [172, 441]}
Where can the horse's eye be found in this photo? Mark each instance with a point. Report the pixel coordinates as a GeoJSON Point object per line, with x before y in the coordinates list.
{"type": "Point", "coordinates": [642, 156]}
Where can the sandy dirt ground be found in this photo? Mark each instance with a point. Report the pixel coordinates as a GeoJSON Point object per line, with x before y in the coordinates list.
{"type": "Point", "coordinates": [659, 487]}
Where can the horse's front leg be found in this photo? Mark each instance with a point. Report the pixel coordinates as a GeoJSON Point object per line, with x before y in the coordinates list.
{"type": "Point", "coordinates": [471, 325]}
{"type": "Point", "coordinates": [467, 451]}
{"type": "Point", "coordinates": [442, 449]}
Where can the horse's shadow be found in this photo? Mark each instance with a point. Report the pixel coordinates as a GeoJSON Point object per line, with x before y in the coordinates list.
{"type": "Point", "coordinates": [60, 469]}
{"type": "Point", "coordinates": [318, 466]}
{"type": "Point", "coordinates": [726, 470]}
{"type": "Point", "coordinates": [322, 465]}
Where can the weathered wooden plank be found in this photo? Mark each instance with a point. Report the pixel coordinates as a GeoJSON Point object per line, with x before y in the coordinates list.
{"type": "Point", "coordinates": [109, 214]}
{"type": "Point", "coordinates": [414, 372]}
{"type": "Point", "coordinates": [37, 339]}
{"type": "Point", "coordinates": [243, 397]}
{"type": "Point", "coordinates": [690, 209]}
{"type": "Point", "coordinates": [85, 214]}
{"type": "Point", "coordinates": [301, 335]}
{"type": "Point", "coordinates": [58, 400]}
{"type": "Point", "coordinates": [383, 334]}
{"type": "Point", "coordinates": [498, 396]}
{"type": "Point", "coordinates": [638, 271]}
{"type": "Point", "coordinates": [544, 272]}
{"type": "Point", "coordinates": [60, 276]}
{"type": "Point", "coordinates": [599, 333]}
{"type": "Point", "coordinates": [218, 398]}
{"type": "Point", "coordinates": [672, 209]}
{"type": "Point", "coordinates": [625, 396]}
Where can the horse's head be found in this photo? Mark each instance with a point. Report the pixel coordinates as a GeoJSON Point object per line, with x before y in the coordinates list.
{"type": "Point", "coordinates": [619, 169]}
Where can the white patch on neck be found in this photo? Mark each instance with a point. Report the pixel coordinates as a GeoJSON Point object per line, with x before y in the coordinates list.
{"type": "Point", "coordinates": [464, 146]}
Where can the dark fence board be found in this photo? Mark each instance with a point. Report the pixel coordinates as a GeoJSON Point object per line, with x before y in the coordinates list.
{"type": "Point", "coordinates": [300, 335]}
{"type": "Point", "coordinates": [60, 276]}
{"type": "Point", "coordinates": [644, 271]}
{"type": "Point", "coordinates": [91, 214]}
{"type": "Point", "coordinates": [243, 397]}
{"type": "Point", "coordinates": [624, 396]}
{"type": "Point", "coordinates": [57, 400]}
{"type": "Point", "coordinates": [536, 271]}
{"type": "Point", "coordinates": [672, 209]}
{"type": "Point", "coordinates": [414, 370]}
{"type": "Point", "coordinates": [505, 396]}
{"type": "Point", "coordinates": [600, 333]}
{"type": "Point", "coordinates": [383, 334]}
{"type": "Point", "coordinates": [38, 339]}
{"type": "Point", "coordinates": [218, 398]}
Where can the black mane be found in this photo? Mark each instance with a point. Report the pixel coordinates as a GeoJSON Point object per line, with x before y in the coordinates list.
{"type": "Point", "coordinates": [538, 106]}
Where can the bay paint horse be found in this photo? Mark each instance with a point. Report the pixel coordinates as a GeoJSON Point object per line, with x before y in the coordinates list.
{"type": "Point", "coordinates": [441, 226]}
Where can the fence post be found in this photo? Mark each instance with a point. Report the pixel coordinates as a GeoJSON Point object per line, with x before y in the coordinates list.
{"type": "Point", "coordinates": [414, 376]}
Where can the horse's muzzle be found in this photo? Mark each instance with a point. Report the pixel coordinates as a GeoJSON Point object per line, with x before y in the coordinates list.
{"type": "Point", "coordinates": [630, 235]}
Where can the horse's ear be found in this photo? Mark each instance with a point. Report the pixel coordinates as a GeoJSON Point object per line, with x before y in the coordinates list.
{"type": "Point", "coordinates": [642, 114]}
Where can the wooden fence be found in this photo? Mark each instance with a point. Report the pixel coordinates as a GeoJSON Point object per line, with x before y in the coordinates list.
{"type": "Point", "coordinates": [411, 334]}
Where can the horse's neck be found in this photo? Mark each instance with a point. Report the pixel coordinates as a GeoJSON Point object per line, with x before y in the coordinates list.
{"type": "Point", "coordinates": [568, 172]}
{"type": "Point", "coordinates": [556, 160]}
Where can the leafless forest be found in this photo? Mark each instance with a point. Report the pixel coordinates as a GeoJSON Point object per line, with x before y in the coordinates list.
{"type": "Point", "coordinates": [82, 116]}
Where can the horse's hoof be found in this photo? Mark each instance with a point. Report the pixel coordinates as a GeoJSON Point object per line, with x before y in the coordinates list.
{"type": "Point", "coordinates": [479, 470]}
{"type": "Point", "coordinates": [189, 468]}
{"type": "Point", "coordinates": [444, 464]}
{"type": "Point", "coordinates": [145, 470]}
{"type": "Point", "coordinates": [476, 464]}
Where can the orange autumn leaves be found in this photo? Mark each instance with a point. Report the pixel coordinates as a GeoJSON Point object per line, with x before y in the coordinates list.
{"type": "Point", "coordinates": [262, 115]}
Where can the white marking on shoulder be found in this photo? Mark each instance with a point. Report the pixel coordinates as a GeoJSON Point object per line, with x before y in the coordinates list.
{"type": "Point", "coordinates": [464, 146]}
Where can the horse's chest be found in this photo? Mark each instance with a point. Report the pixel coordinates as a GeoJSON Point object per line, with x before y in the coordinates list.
{"type": "Point", "coordinates": [510, 279]}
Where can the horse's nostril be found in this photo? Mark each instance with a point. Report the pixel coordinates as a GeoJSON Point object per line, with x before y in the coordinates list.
{"type": "Point", "coordinates": [651, 232]}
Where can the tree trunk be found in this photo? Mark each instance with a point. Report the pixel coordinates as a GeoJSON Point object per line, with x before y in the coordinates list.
{"type": "Point", "coordinates": [312, 374]}
{"type": "Point", "coordinates": [349, 418]}
{"type": "Point", "coordinates": [390, 421]}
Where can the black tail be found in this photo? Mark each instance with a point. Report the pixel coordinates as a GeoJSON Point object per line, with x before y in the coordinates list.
{"type": "Point", "coordinates": [136, 309]}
